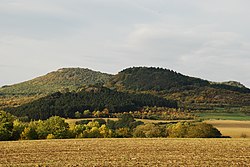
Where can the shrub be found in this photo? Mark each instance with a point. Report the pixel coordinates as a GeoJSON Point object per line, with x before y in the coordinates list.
{"type": "Point", "coordinates": [29, 134]}
{"type": "Point", "coordinates": [6, 125]}
{"type": "Point", "coordinates": [192, 130]}
{"type": "Point", "coordinates": [78, 114]}
{"type": "Point", "coordinates": [111, 124]}
{"type": "Point", "coordinates": [202, 130]}
{"type": "Point", "coordinates": [94, 133]}
{"type": "Point", "coordinates": [57, 126]}
{"type": "Point", "coordinates": [127, 121]}
{"type": "Point", "coordinates": [92, 124]}
{"type": "Point", "coordinates": [18, 128]}
{"type": "Point", "coordinates": [5, 134]}
{"type": "Point", "coordinates": [178, 130]}
{"type": "Point", "coordinates": [41, 129]}
{"type": "Point", "coordinates": [148, 130]}
{"type": "Point", "coordinates": [105, 131]}
{"type": "Point", "coordinates": [51, 136]}
{"type": "Point", "coordinates": [78, 130]}
{"type": "Point", "coordinates": [86, 113]}
{"type": "Point", "coordinates": [100, 121]}
{"type": "Point", "coordinates": [122, 133]}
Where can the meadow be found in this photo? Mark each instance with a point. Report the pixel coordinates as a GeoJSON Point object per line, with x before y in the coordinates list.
{"type": "Point", "coordinates": [224, 116]}
{"type": "Point", "coordinates": [126, 152]}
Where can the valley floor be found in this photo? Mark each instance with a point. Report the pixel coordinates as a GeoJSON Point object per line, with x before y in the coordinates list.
{"type": "Point", "coordinates": [126, 152]}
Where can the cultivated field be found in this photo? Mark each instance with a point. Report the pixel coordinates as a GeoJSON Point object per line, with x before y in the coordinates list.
{"type": "Point", "coordinates": [126, 152]}
{"type": "Point", "coordinates": [235, 129]}
{"type": "Point", "coordinates": [225, 116]}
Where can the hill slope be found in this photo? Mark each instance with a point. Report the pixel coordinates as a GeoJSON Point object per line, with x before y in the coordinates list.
{"type": "Point", "coordinates": [93, 98]}
{"type": "Point", "coordinates": [157, 79]}
{"type": "Point", "coordinates": [62, 79]}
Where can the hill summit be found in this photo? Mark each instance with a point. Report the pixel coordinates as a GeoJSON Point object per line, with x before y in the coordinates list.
{"type": "Point", "coordinates": [151, 78]}
{"type": "Point", "coordinates": [62, 79]}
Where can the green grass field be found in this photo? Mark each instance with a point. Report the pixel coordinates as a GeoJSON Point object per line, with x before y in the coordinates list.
{"type": "Point", "coordinates": [126, 152]}
{"type": "Point", "coordinates": [224, 116]}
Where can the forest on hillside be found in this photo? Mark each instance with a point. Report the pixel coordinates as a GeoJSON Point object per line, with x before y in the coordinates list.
{"type": "Point", "coordinates": [66, 104]}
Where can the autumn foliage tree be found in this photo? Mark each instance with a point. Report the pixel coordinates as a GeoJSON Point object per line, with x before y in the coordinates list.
{"type": "Point", "coordinates": [192, 130]}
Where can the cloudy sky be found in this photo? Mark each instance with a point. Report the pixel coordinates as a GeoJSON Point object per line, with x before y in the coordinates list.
{"type": "Point", "coordinates": [207, 39]}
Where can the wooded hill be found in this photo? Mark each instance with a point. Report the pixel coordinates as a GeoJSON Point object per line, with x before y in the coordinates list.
{"type": "Point", "coordinates": [189, 92]}
{"type": "Point", "coordinates": [65, 79]}
{"type": "Point", "coordinates": [153, 79]}
{"type": "Point", "coordinates": [159, 79]}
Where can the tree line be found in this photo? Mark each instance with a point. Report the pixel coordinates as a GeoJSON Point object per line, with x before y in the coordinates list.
{"type": "Point", "coordinates": [126, 126]}
{"type": "Point", "coordinates": [152, 113]}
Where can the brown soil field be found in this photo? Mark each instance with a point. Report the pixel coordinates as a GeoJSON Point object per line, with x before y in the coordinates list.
{"type": "Point", "coordinates": [235, 129]}
{"type": "Point", "coordinates": [126, 152]}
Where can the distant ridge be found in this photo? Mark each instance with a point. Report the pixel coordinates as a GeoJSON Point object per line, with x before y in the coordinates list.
{"type": "Point", "coordinates": [188, 91]}
{"type": "Point", "coordinates": [134, 78]}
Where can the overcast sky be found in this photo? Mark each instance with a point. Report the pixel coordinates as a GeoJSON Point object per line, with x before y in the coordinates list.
{"type": "Point", "coordinates": [209, 39]}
